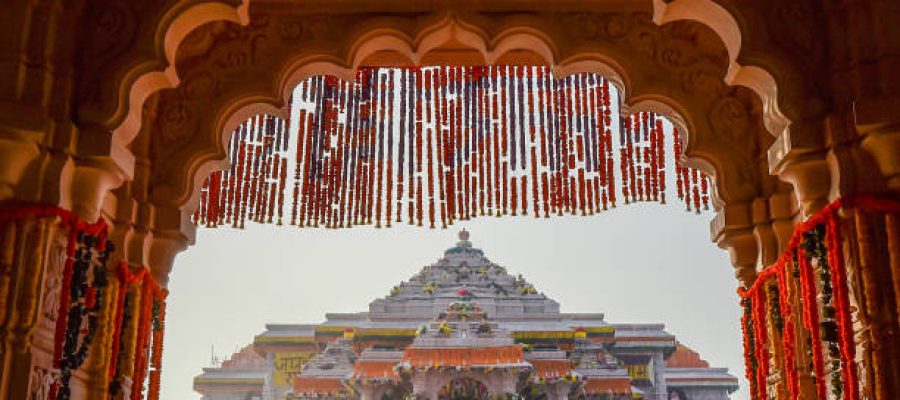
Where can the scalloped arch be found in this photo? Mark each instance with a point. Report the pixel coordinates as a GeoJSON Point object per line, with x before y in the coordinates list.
{"type": "Point", "coordinates": [726, 27]}
{"type": "Point", "coordinates": [172, 31]}
{"type": "Point", "coordinates": [239, 112]}
{"type": "Point", "coordinates": [375, 40]}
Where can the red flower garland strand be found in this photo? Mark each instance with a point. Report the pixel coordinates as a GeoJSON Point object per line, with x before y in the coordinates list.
{"type": "Point", "coordinates": [789, 367]}
{"type": "Point", "coordinates": [842, 309]}
{"type": "Point", "coordinates": [779, 270]}
{"type": "Point", "coordinates": [761, 346]}
{"type": "Point", "coordinates": [148, 353]}
{"type": "Point", "coordinates": [477, 128]}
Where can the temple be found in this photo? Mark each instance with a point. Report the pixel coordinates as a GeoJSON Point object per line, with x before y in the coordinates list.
{"type": "Point", "coordinates": [465, 328]}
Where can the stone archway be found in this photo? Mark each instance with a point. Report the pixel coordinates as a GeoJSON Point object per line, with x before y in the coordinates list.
{"type": "Point", "coordinates": [391, 44]}
{"type": "Point", "coordinates": [441, 384]}
{"type": "Point", "coordinates": [121, 120]}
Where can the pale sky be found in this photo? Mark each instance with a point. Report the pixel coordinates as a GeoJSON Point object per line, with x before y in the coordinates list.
{"type": "Point", "coordinates": [636, 263]}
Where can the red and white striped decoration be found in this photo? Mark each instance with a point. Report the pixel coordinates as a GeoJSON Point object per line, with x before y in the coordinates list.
{"type": "Point", "coordinates": [434, 145]}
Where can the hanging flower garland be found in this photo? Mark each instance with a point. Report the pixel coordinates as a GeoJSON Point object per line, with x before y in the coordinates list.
{"type": "Point", "coordinates": [149, 317]}
{"type": "Point", "coordinates": [456, 142]}
{"type": "Point", "coordinates": [814, 246]}
{"type": "Point", "coordinates": [148, 348]}
{"type": "Point", "coordinates": [750, 359]}
{"type": "Point", "coordinates": [81, 298]}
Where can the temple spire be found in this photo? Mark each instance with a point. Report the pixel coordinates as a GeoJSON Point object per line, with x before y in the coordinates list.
{"type": "Point", "coordinates": [464, 239]}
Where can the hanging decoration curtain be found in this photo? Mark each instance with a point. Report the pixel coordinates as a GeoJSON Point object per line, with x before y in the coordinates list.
{"type": "Point", "coordinates": [426, 357]}
{"type": "Point", "coordinates": [434, 145]}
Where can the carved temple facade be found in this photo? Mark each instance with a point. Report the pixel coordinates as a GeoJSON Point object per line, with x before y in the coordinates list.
{"type": "Point", "coordinates": [464, 326]}
{"type": "Point", "coordinates": [114, 113]}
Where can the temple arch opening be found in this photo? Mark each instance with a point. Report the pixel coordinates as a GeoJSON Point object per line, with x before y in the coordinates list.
{"type": "Point", "coordinates": [111, 130]}
{"type": "Point", "coordinates": [464, 388]}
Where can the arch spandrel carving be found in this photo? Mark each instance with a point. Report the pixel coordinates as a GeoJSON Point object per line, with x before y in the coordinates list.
{"type": "Point", "coordinates": [128, 55]}
{"type": "Point", "coordinates": [137, 75]}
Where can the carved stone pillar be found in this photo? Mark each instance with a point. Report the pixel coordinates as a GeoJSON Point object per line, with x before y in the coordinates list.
{"type": "Point", "coordinates": [767, 242]}
{"type": "Point", "coordinates": [426, 385]}
{"type": "Point", "coordinates": [557, 391]}
{"type": "Point", "coordinates": [371, 392]}
{"type": "Point", "coordinates": [783, 211]}
{"type": "Point", "coordinates": [499, 383]}
{"type": "Point", "coordinates": [32, 256]}
{"type": "Point", "coordinates": [871, 257]}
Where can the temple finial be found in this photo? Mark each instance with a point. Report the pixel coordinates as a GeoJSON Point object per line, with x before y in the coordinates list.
{"type": "Point", "coordinates": [464, 239]}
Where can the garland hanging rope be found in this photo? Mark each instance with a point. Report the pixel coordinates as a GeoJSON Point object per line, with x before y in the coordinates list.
{"type": "Point", "coordinates": [813, 264]}
{"type": "Point", "coordinates": [446, 144]}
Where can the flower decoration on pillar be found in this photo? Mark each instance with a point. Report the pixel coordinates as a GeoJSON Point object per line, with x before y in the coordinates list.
{"type": "Point", "coordinates": [82, 295]}
{"type": "Point", "coordinates": [813, 261]}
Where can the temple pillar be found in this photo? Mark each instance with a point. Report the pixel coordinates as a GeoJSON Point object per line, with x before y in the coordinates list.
{"type": "Point", "coordinates": [872, 256]}
{"type": "Point", "coordinates": [32, 254]}
{"type": "Point", "coordinates": [557, 391]}
{"type": "Point", "coordinates": [660, 392]}
{"type": "Point", "coordinates": [427, 384]}
{"type": "Point", "coordinates": [34, 249]}
{"type": "Point", "coordinates": [371, 392]}
{"type": "Point", "coordinates": [500, 383]}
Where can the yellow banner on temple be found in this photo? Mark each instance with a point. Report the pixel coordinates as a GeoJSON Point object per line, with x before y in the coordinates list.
{"type": "Point", "coordinates": [639, 371]}
{"type": "Point", "coordinates": [288, 365]}
{"type": "Point", "coordinates": [382, 332]}
{"type": "Point", "coordinates": [544, 335]}
{"type": "Point", "coordinates": [331, 329]}
{"type": "Point", "coordinates": [600, 330]}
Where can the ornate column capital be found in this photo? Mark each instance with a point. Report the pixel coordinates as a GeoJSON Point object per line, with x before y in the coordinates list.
{"type": "Point", "coordinates": [882, 142]}
{"type": "Point", "coordinates": [164, 246]}
{"type": "Point", "coordinates": [732, 229]}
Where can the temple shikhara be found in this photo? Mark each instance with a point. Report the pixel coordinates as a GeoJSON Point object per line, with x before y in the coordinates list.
{"type": "Point", "coordinates": [465, 328]}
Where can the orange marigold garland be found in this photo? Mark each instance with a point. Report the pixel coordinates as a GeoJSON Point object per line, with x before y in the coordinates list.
{"type": "Point", "coordinates": [469, 133]}
{"type": "Point", "coordinates": [750, 360]}
{"type": "Point", "coordinates": [149, 342]}
{"type": "Point", "coordinates": [761, 346]}
{"type": "Point", "coordinates": [816, 239]}
{"type": "Point", "coordinates": [847, 346]}
{"type": "Point", "coordinates": [789, 366]}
